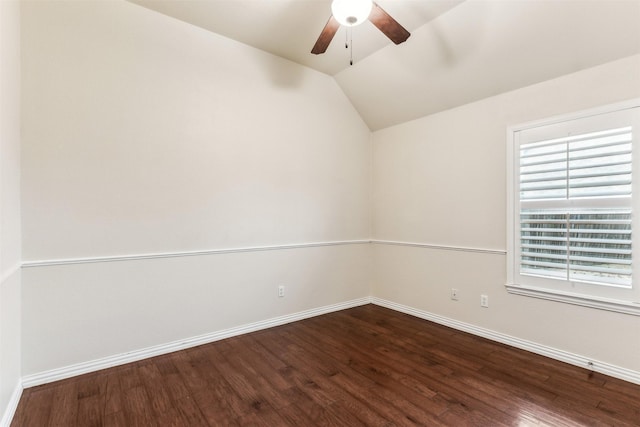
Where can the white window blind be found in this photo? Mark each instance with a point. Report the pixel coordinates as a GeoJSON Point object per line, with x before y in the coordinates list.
{"type": "Point", "coordinates": [575, 207]}
{"type": "Point", "coordinates": [591, 165]}
{"type": "Point", "coordinates": [572, 208]}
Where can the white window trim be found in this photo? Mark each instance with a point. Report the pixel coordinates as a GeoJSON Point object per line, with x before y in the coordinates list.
{"type": "Point", "coordinates": [585, 300]}
{"type": "Point", "coordinates": [576, 299]}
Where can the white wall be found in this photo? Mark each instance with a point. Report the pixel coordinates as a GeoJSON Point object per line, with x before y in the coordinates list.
{"type": "Point", "coordinates": [10, 320]}
{"type": "Point", "coordinates": [146, 135]}
{"type": "Point", "coordinates": [441, 180]}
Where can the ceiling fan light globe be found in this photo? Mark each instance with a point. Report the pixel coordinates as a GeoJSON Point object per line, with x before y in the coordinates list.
{"type": "Point", "coordinates": [351, 12]}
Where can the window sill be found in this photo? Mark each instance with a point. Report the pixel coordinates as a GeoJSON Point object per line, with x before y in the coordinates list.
{"type": "Point", "coordinates": [618, 306]}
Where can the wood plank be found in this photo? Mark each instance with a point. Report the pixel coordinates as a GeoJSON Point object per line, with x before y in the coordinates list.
{"type": "Point", "coordinates": [64, 407]}
{"type": "Point", "coordinates": [363, 366]}
{"type": "Point", "coordinates": [34, 408]}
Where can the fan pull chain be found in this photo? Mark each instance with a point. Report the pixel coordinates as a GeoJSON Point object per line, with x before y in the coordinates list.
{"type": "Point", "coordinates": [348, 43]}
{"type": "Point", "coordinates": [351, 47]}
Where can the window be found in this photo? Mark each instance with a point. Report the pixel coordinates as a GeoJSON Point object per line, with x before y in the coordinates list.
{"type": "Point", "coordinates": [571, 208]}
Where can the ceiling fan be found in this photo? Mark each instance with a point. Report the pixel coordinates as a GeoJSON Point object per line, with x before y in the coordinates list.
{"type": "Point", "coordinates": [354, 12]}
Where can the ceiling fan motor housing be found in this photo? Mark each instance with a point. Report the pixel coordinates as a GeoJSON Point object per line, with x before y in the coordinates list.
{"type": "Point", "coordinates": [351, 12]}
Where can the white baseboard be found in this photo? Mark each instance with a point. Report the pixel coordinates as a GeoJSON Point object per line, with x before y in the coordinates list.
{"type": "Point", "coordinates": [10, 410]}
{"type": "Point", "coordinates": [120, 359]}
{"type": "Point", "coordinates": [134, 356]}
{"type": "Point", "coordinates": [553, 353]}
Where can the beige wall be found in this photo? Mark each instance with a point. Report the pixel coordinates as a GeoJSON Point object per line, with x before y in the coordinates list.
{"type": "Point", "coordinates": [10, 320]}
{"type": "Point", "coordinates": [149, 135]}
{"type": "Point", "coordinates": [146, 135]}
{"type": "Point", "coordinates": [441, 180]}
{"type": "Point", "coordinates": [79, 313]}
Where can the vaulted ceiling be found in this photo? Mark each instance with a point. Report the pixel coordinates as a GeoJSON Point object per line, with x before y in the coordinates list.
{"type": "Point", "coordinates": [459, 51]}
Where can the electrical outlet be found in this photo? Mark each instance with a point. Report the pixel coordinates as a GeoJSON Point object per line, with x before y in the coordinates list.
{"type": "Point", "coordinates": [281, 291]}
{"type": "Point", "coordinates": [484, 300]}
{"type": "Point", "coordinates": [454, 294]}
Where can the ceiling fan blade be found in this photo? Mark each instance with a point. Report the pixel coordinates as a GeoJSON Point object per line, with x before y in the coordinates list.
{"type": "Point", "coordinates": [326, 36]}
{"type": "Point", "coordinates": [389, 26]}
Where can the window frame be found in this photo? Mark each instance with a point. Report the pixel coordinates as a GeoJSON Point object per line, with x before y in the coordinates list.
{"type": "Point", "coordinates": [622, 300]}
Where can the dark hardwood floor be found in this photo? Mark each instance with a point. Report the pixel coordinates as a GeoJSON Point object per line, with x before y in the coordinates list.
{"type": "Point", "coordinates": [363, 366]}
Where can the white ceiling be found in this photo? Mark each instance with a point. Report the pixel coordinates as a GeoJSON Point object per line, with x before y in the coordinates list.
{"type": "Point", "coordinates": [289, 28]}
{"type": "Point", "coordinates": [459, 51]}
